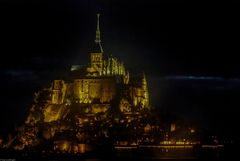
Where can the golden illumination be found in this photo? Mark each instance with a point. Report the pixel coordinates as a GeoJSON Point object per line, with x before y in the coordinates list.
{"type": "Point", "coordinates": [173, 127]}
{"type": "Point", "coordinates": [192, 130]}
{"type": "Point", "coordinates": [100, 93]}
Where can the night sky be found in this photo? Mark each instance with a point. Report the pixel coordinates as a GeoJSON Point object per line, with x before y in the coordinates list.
{"type": "Point", "coordinates": [188, 53]}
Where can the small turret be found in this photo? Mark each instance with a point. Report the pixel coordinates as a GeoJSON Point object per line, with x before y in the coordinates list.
{"type": "Point", "coordinates": [145, 90]}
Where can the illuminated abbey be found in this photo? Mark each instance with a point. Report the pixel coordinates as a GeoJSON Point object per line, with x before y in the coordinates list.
{"type": "Point", "coordinates": [96, 108]}
{"type": "Point", "coordinates": [82, 108]}
{"type": "Point", "coordinates": [96, 88]}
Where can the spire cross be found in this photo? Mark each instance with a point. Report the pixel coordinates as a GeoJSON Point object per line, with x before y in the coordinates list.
{"type": "Point", "coordinates": [98, 40]}
{"type": "Point", "coordinates": [98, 15]}
{"type": "Point", "coordinates": [98, 37]}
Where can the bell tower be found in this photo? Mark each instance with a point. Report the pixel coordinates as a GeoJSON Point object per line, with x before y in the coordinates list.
{"type": "Point", "coordinates": [97, 53]}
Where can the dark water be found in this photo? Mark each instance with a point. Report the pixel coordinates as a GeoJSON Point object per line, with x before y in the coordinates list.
{"type": "Point", "coordinates": [130, 154]}
{"type": "Point", "coordinates": [172, 153]}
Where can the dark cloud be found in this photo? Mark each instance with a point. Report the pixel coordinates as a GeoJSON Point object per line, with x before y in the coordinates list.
{"type": "Point", "coordinates": [21, 75]}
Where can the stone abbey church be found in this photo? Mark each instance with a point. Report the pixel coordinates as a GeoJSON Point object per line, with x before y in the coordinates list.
{"type": "Point", "coordinates": [100, 91]}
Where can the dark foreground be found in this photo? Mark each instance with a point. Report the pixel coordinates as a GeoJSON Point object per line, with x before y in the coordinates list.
{"type": "Point", "coordinates": [127, 153]}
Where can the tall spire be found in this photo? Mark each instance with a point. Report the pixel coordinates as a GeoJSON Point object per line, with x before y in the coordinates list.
{"type": "Point", "coordinates": [98, 37]}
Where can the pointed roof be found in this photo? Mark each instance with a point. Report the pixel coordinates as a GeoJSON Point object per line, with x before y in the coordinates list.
{"type": "Point", "coordinates": [97, 48]}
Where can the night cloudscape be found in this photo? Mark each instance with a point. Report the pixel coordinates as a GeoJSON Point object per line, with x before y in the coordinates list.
{"type": "Point", "coordinates": [189, 54]}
